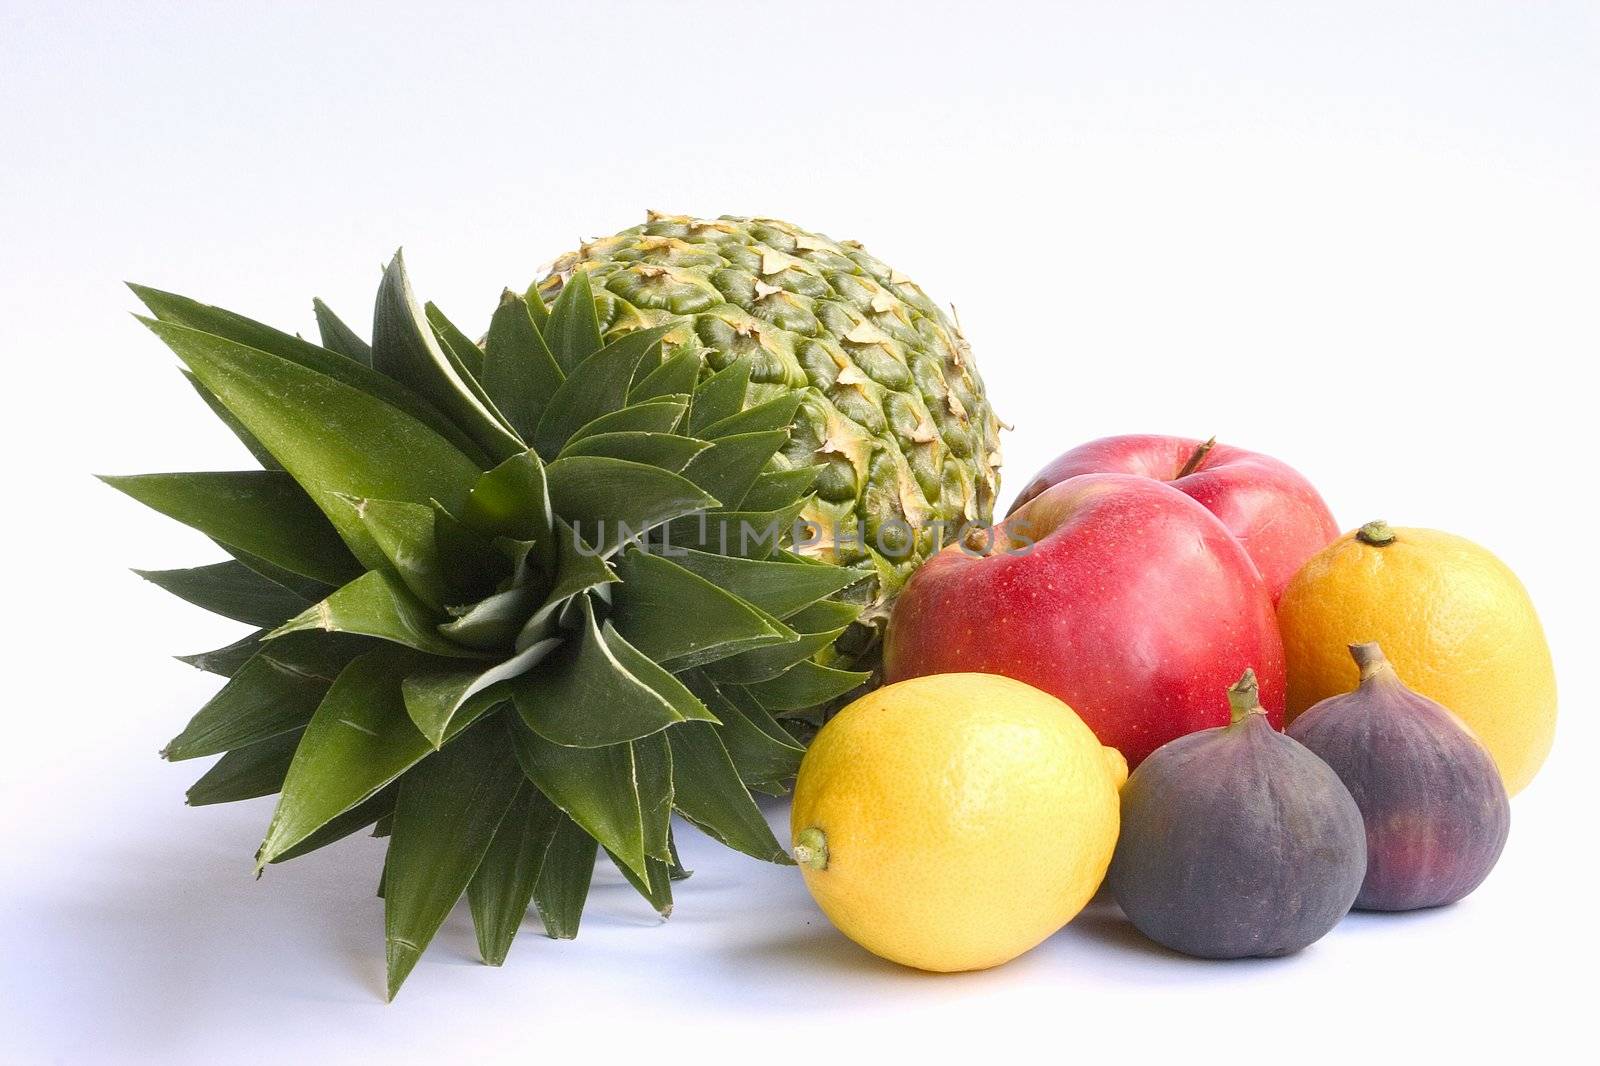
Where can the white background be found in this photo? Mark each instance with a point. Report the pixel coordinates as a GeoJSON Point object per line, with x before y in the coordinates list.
{"type": "Point", "coordinates": [1362, 237]}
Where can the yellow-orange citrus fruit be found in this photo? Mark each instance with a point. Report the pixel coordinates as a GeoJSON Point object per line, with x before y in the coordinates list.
{"type": "Point", "coordinates": [1453, 619]}
{"type": "Point", "coordinates": [952, 822]}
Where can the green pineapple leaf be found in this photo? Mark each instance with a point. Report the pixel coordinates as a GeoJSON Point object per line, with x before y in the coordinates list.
{"type": "Point", "coordinates": [275, 691]}
{"type": "Point", "coordinates": [661, 681]}
{"type": "Point", "coordinates": [372, 811]}
{"type": "Point", "coordinates": [232, 590]}
{"type": "Point", "coordinates": [332, 438]}
{"type": "Point", "coordinates": [472, 567]}
{"type": "Point", "coordinates": [668, 451]}
{"type": "Point", "coordinates": [445, 821]}
{"type": "Point", "coordinates": [780, 588]}
{"type": "Point", "coordinates": [537, 309]}
{"type": "Point", "coordinates": [577, 570]}
{"type": "Point", "coordinates": [761, 749]}
{"type": "Point", "coordinates": [434, 696]}
{"type": "Point", "coordinates": [307, 588]}
{"type": "Point", "coordinates": [519, 373]}
{"type": "Point", "coordinates": [675, 868]}
{"type": "Point", "coordinates": [467, 359]}
{"type": "Point", "coordinates": [262, 512]}
{"type": "Point", "coordinates": [720, 396]}
{"type": "Point", "coordinates": [660, 415]}
{"type": "Point", "coordinates": [377, 605]}
{"type": "Point", "coordinates": [491, 624]}
{"type": "Point", "coordinates": [572, 329]}
{"type": "Point", "coordinates": [611, 501]}
{"type": "Point", "coordinates": [674, 377]}
{"type": "Point", "coordinates": [405, 534]}
{"type": "Point", "coordinates": [404, 348]}
{"type": "Point", "coordinates": [620, 794]}
{"type": "Point", "coordinates": [774, 414]}
{"type": "Point", "coordinates": [746, 534]}
{"type": "Point", "coordinates": [458, 346]}
{"type": "Point", "coordinates": [229, 659]}
{"type": "Point", "coordinates": [501, 891]}
{"type": "Point", "coordinates": [256, 449]}
{"type": "Point", "coordinates": [584, 696]}
{"type": "Point", "coordinates": [358, 740]}
{"type": "Point", "coordinates": [594, 387]}
{"type": "Point", "coordinates": [774, 489]}
{"type": "Point", "coordinates": [805, 685]}
{"type": "Point", "coordinates": [708, 791]}
{"type": "Point", "coordinates": [564, 879]}
{"type": "Point", "coordinates": [656, 887]}
{"type": "Point", "coordinates": [246, 773]}
{"type": "Point", "coordinates": [338, 337]}
{"type": "Point", "coordinates": [656, 594]}
{"type": "Point", "coordinates": [817, 626]}
{"type": "Point", "coordinates": [184, 312]}
{"type": "Point", "coordinates": [729, 467]}
{"type": "Point", "coordinates": [513, 500]}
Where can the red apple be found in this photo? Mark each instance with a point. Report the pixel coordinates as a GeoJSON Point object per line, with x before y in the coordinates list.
{"type": "Point", "coordinates": [1119, 594]}
{"type": "Point", "coordinates": [1273, 511]}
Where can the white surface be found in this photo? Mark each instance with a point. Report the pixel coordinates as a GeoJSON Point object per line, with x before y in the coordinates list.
{"type": "Point", "coordinates": [1362, 237]}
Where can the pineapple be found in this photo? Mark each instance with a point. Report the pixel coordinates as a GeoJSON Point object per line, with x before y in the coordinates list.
{"type": "Point", "coordinates": [516, 602]}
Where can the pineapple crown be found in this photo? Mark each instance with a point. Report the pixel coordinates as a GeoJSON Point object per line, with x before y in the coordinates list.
{"type": "Point", "coordinates": [500, 613]}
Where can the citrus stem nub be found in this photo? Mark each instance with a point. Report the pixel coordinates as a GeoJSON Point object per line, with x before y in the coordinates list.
{"type": "Point", "coordinates": [1376, 534]}
{"type": "Point", "coordinates": [811, 848]}
{"type": "Point", "coordinates": [1244, 697]}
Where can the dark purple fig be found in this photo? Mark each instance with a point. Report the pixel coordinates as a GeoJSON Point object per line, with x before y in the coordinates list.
{"type": "Point", "coordinates": [1236, 841]}
{"type": "Point", "coordinates": [1435, 806]}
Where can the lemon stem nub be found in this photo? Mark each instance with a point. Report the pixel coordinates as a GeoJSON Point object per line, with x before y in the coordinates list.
{"type": "Point", "coordinates": [811, 848]}
{"type": "Point", "coordinates": [1244, 697]}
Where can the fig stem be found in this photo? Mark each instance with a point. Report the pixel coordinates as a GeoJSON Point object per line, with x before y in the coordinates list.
{"type": "Point", "coordinates": [1244, 697]}
{"type": "Point", "coordinates": [1370, 659]}
{"type": "Point", "coordinates": [1376, 534]}
{"type": "Point", "coordinates": [811, 848]}
{"type": "Point", "coordinates": [1196, 458]}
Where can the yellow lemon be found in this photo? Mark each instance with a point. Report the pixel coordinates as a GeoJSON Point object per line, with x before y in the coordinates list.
{"type": "Point", "coordinates": [952, 822]}
{"type": "Point", "coordinates": [1454, 620]}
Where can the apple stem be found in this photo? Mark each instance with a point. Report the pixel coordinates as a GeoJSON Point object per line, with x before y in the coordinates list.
{"type": "Point", "coordinates": [1378, 534]}
{"type": "Point", "coordinates": [1244, 697]}
{"type": "Point", "coordinates": [1195, 459]}
{"type": "Point", "coordinates": [979, 540]}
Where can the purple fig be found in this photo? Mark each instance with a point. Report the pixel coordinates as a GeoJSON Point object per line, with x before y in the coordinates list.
{"type": "Point", "coordinates": [1434, 804]}
{"type": "Point", "coordinates": [1237, 841]}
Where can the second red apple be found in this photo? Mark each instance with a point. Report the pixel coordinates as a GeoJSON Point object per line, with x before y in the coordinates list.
{"type": "Point", "coordinates": [1119, 594]}
{"type": "Point", "coordinates": [1267, 505]}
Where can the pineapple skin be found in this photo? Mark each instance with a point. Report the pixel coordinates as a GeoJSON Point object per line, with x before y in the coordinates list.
{"type": "Point", "coordinates": [892, 407]}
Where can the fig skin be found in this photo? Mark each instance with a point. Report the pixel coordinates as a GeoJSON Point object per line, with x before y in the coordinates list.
{"type": "Point", "coordinates": [1436, 808]}
{"type": "Point", "coordinates": [1237, 841]}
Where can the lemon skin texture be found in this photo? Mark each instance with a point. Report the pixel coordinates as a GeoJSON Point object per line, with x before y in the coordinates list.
{"type": "Point", "coordinates": [1453, 620]}
{"type": "Point", "coordinates": [966, 818]}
